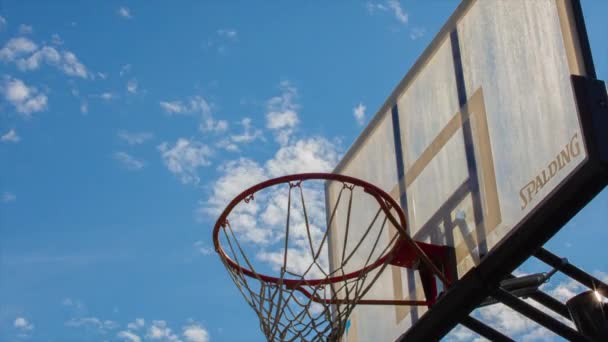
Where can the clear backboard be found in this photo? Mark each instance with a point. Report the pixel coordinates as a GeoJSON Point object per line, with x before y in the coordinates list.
{"type": "Point", "coordinates": [477, 136]}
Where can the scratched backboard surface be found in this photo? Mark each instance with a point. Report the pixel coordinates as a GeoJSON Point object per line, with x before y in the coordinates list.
{"type": "Point", "coordinates": [480, 131]}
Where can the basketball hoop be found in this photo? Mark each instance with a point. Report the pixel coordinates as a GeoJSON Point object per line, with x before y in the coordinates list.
{"type": "Point", "coordinates": [313, 294]}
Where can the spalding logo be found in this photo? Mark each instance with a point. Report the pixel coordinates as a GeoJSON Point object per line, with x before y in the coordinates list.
{"type": "Point", "coordinates": [563, 158]}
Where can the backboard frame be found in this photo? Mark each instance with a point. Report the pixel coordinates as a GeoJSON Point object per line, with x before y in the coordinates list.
{"type": "Point", "coordinates": [548, 217]}
{"type": "Point", "coordinates": [561, 204]}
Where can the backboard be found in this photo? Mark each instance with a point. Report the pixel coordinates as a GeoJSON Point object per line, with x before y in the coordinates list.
{"type": "Point", "coordinates": [479, 135]}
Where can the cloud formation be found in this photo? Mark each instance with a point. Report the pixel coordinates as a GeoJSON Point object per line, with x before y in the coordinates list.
{"type": "Point", "coordinates": [137, 324]}
{"type": "Point", "coordinates": [249, 135]}
{"type": "Point", "coordinates": [202, 248]}
{"type": "Point", "coordinates": [195, 333]}
{"type": "Point", "coordinates": [134, 138]}
{"type": "Point", "coordinates": [128, 161]}
{"type": "Point", "coordinates": [8, 197]}
{"type": "Point", "coordinates": [393, 6]}
{"type": "Point", "coordinates": [92, 322]}
{"type": "Point", "coordinates": [17, 47]}
{"type": "Point", "coordinates": [228, 33]}
{"type": "Point", "coordinates": [10, 136]}
{"type": "Point", "coordinates": [160, 331]}
{"type": "Point", "coordinates": [185, 157]}
{"type": "Point", "coordinates": [128, 336]}
{"type": "Point", "coordinates": [132, 86]}
{"type": "Point", "coordinates": [25, 99]}
{"type": "Point", "coordinates": [198, 106]}
{"type": "Point", "coordinates": [417, 33]}
{"type": "Point", "coordinates": [359, 113]}
{"type": "Point", "coordinates": [25, 29]}
{"type": "Point", "coordinates": [23, 324]}
{"type": "Point", "coordinates": [124, 12]}
{"type": "Point", "coordinates": [281, 115]}
{"type": "Point", "coordinates": [27, 57]}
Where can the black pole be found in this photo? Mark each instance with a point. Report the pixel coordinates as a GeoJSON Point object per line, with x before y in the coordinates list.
{"type": "Point", "coordinates": [519, 293]}
{"type": "Point", "coordinates": [551, 303]}
{"type": "Point", "coordinates": [572, 271]}
{"type": "Point", "coordinates": [538, 316]}
{"type": "Point", "coordinates": [484, 330]}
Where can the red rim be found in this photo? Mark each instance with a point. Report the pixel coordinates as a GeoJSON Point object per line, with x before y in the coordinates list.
{"type": "Point", "coordinates": [367, 187]}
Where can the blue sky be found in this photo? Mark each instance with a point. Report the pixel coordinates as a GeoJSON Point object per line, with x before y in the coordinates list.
{"type": "Point", "coordinates": [125, 125]}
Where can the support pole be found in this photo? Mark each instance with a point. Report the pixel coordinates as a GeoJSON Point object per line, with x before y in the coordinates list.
{"type": "Point", "coordinates": [484, 330]}
{"type": "Point", "coordinates": [572, 271]}
{"type": "Point", "coordinates": [551, 303]}
{"type": "Point", "coordinates": [538, 316]}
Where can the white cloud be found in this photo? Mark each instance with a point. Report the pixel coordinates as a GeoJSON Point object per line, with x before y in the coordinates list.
{"type": "Point", "coordinates": [185, 157]}
{"type": "Point", "coordinates": [10, 136]}
{"type": "Point", "coordinates": [398, 12]}
{"type": "Point", "coordinates": [460, 333]}
{"type": "Point", "coordinates": [22, 324]}
{"type": "Point", "coordinates": [56, 39]}
{"type": "Point", "coordinates": [73, 303]}
{"type": "Point", "coordinates": [27, 56]}
{"type": "Point", "coordinates": [137, 324]}
{"type": "Point", "coordinates": [71, 66]}
{"type": "Point", "coordinates": [125, 69]}
{"type": "Point", "coordinates": [603, 276]}
{"type": "Point", "coordinates": [279, 120]}
{"type": "Point", "coordinates": [132, 86]}
{"type": "Point", "coordinates": [2, 23]}
{"type": "Point", "coordinates": [257, 222]}
{"type": "Point", "coordinates": [359, 113]}
{"type": "Point", "coordinates": [202, 248]}
{"type": "Point", "coordinates": [307, 155]}
{"type": "Point", "coordinates": [211, 125]}
{"type": "Point", "coordinates": [128, 336]}
{"type": "Point", "coordinates": [220, 42]}
{"type": "Point", "coordinates": [375, 6]}
{"type": "Point", "coordinates": [228, 145]}
{"type": "Point", "coordinates": [199, 105]}
{"type": "Point", "coordinates": [25, 29]}
{"type": "Point", "coordinates": [281, 115]}
{"type": "Point", "coordinates": [160, 331]}
{"type": "Point", "coordinates": [134, 138]}
{"type": "Point", "coordinates": [8, 197]}
{"type": "Point", "coordinates": [417, 33]}
{"type": "Point", "coordinates": [173, 107]}
{"type": "Point", "coordinates": [237, 175]}
{"type": "Point", "coordinates": [195, 333]}
{"type": "Point", "coordinates": [17, 47]}
{"type": "Point", "coordinates": [92, 322]}
{"type": "Point", "coordinates": [124, 12]}
{"type": "Point", "coordinates": [46, 54]}
{"type": "Point", "coordinates": [390, 5]}
{"type": "Point", "coordinates": [249, 135]}
{"type": "Point", "coordinates": [228, 33]}
{"type": "Point", "coordinates": [107, 96]}
{"type": "Point", "coordinates": [26, 100]}
{"type": "Point", "coordinates": [84, 107]}
{"type": "Point", "coordinates": [196, 105]}
{"type": "Point", "coordinates": [128, 161]}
